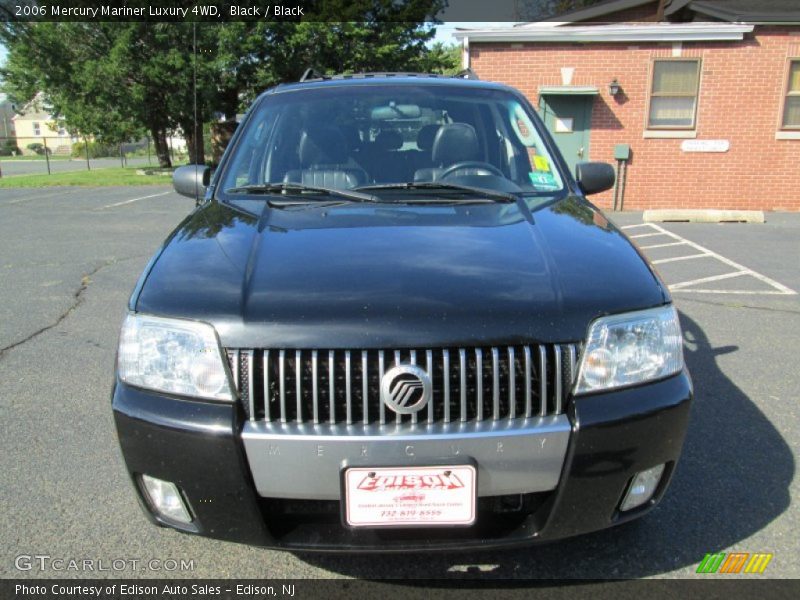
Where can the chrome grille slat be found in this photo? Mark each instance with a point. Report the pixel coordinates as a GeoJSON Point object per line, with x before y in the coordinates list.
{"type": "Point", "coordinates": [528, 385]}
{"type": "Point", "coordinates": [364, 388]}
{"type": "Point", "coordinates": [251, 400]}
{"type": "Point", "coordinates": [495, 384]}
{"type": "Point", "coordinates": [348, 388]}
{"type": "Point", "coordinates": [462, 363]}
{"type": "Point", "coordinates": [557, 378]}
{"type": "Point", "coordinates": [413, 359]}
{"type": "Point", "coordinates": [282, 383]}
{"type": "Point", "coordinates": [265, 370]}
{"type": "Point", "coordinates": [512, 384]}
{"type": "Point", "coordinates": [315, 383]}
{"type": "Point", "coordinates": [331, 387]}
{"type": "Point", "coordinates": [398, 418]}
{"type": "Point", "coordinates": [429, 369]}
{"type": "Point", "coordinates": [573, 364]}
{"type": "Point", "coordinates": [517, 381]}
{"type": "Point", "coordinates": [235, 369]}
{"type": "Point", "coordinates": [381, 371]}
{"type": "Point", "coordinates": [298, 379]}
{"type": "Point", "coordinates": [446, 388]}
{"type": "Point", "coordinates": [479, 383]}
{"type": "Point", "coordinates": [542, 381]}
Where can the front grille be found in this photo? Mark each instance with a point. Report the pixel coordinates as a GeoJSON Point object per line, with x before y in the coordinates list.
{"type": "Point", "coordinates": [343, 386]}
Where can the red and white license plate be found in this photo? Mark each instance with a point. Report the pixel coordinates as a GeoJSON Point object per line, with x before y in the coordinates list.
{"type": "Point", "coordinates": [409, 496]}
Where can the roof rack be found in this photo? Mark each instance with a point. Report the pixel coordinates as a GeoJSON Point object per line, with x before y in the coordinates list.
{"type": "Point", "coordinates": [467, 74]}
{"type": "Point", "coordinates": [311, 73]}
{"type": "Point", "coordinates": [314, 75]}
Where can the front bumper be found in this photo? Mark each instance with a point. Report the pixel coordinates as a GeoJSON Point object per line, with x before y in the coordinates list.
{"type": "Point", "coordinates": [199, 446]}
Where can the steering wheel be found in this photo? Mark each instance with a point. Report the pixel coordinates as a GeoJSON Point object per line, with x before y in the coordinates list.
{"type": "Point", "coordinates": [472, 164]}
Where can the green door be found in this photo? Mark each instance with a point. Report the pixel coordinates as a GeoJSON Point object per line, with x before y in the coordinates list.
{"type": "Point", "coordinates": [568, 119]}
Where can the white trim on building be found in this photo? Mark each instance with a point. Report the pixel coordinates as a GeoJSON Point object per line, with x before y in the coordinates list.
{"type": "Point", "coordinates": [615, 32]}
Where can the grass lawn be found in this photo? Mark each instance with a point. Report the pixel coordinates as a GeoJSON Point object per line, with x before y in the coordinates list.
{"type": "Point", "coordinates": [97, 177]}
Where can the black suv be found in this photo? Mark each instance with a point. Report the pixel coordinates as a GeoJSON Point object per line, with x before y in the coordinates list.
{"type": "Point", "coordinates": [395, 322]}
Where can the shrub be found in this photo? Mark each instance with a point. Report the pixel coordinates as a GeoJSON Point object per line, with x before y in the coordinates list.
{"type": "Point", "coordinates": [38, 148]}
{"type": "Point", "coordinates": [9, 148]}
{"type": "Point", "coordinates": [96, 150]}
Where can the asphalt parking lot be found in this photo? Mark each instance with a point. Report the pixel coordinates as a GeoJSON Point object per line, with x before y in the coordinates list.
{"type": "Point", "coordinates": [70, 257]}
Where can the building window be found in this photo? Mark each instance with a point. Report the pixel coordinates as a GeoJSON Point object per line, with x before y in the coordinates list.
{"type": "Point", "coordinates": [791, 106]}
{"type": "Point", "coordinates": [36, 129]}
{"type": "Point", "coordinates": [673, 94]}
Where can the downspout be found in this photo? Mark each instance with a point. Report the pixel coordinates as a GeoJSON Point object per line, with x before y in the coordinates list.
{"type": "Point", "coordinates": [465, 62]}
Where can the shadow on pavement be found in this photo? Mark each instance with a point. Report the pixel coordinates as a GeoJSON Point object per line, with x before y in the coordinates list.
{"type": "Point", "coordinates": [733, 479]}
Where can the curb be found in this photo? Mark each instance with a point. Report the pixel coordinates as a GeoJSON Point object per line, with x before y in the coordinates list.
{"type": "Point", "coordinates": [704, 216]}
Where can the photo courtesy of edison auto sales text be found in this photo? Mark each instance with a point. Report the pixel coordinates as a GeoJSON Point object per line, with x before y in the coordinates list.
{"type": "Point", "coordinates": [165, 590]}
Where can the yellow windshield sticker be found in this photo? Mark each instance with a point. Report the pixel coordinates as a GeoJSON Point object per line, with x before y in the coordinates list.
{"type": "Point", "coordinates": [540, 163]}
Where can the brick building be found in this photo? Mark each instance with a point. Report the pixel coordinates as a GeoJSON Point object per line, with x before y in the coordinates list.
{"type": "Point", "coordinates": [705, 93]}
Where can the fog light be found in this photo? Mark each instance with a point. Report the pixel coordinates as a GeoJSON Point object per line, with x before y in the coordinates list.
{"type": "Point", "coordinates": [642, 487]}
{"type": "Point", "coordinates": [166, 499]}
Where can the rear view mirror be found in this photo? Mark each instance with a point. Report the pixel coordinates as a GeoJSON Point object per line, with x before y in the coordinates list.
{"type": "Point", "coordinates": [594, 177]}
{"type": "Point", "coordinates": [191, 180]}
{"type": "Point", "coordinates": [396, 111]}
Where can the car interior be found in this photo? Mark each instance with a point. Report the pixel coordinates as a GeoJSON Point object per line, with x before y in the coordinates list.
{"type": "Point", "coordinates": [349, 144]}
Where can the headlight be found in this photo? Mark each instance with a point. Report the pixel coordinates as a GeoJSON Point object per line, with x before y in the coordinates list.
{"type": "Point", "coordinates": [631, 348]}
{"type": "Point", "coordinates": [174, 356]}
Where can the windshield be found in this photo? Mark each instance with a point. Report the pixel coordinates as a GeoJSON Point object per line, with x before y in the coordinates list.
{"type": "Point", "coordinates": [373, 136]}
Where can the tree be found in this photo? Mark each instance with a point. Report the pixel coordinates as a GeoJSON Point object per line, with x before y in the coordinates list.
{"type": "Point", "coordinates": [443, 58]}
{"type": "Point", "coordinates": [113, 79]}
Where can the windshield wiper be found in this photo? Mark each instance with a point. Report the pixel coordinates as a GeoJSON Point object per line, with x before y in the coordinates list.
{"type": "Point", "coordinates": [299, 188]}
{"type": "Point", "coordinates": [495, 195]}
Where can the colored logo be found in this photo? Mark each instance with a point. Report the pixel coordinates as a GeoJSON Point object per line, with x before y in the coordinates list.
{"type": "Point", "coordinates": [412, 483]}
{"type": "Point", "coordinates": [735, 562]}
{"type": "Point", "coordinates": [406, 389]}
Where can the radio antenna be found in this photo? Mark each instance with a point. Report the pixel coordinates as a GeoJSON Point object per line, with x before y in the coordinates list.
{"type": "Point", "coordinates": [194, 94]}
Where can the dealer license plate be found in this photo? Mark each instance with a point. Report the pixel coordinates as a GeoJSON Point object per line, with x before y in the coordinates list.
{"type": "Point", "coordinates": [410, 496]}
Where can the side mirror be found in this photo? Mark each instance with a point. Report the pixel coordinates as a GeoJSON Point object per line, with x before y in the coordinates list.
{"type": "Point", "coordinates": [191, 180]}
{"type": "Point", "coordinates": [594, 177]}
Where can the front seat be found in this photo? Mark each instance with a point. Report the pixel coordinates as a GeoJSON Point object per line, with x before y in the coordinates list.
{"type": "Point", "coordinates": [453, 143]}
{"type": "Point", "coordinates": [324, 158]}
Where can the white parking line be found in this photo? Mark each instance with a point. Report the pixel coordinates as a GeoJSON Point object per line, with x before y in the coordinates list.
{"type": "Point", "coordinates": [636, 225]}
{"type": "Point", "coordinates": [676, 258]}
{"type": "Point", "coordinates": [677, 286]}
{"type": "Point", "coordinates": [684, 286]}
{"type": "Point", "coordinates": [644, 235]}
{"type": "Point", "coordinates": [135, 200]}
{"type": "Point", "coordinates": [661, 245]}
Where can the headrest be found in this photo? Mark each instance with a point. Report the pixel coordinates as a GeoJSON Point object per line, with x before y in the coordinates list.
{"type": "Point", "coordinates": [323, 146]}
{"type": "Point", "coordinates": [456, 142]}
{"type": "Point", "coordinates": [425, 137]}
{"type": "Point", "coordinates": [388, 140]}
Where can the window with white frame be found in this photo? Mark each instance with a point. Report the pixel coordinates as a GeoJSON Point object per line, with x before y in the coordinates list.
{"type": "Point", "coordinates": [37, 130]}
{"type": "Point", "coordinates": [791, 104]}
{"type": "Point", "coordinates": [673, 94]}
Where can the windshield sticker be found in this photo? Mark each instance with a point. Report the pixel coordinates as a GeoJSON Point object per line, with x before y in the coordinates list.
{"type": "Point", "coordinates": [543, 180]}
{"type": "Point", "coordinates": [540, 163]}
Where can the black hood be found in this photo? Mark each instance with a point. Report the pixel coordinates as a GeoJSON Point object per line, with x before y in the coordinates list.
{"type": "Point", "coordinates": [383, 276]}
